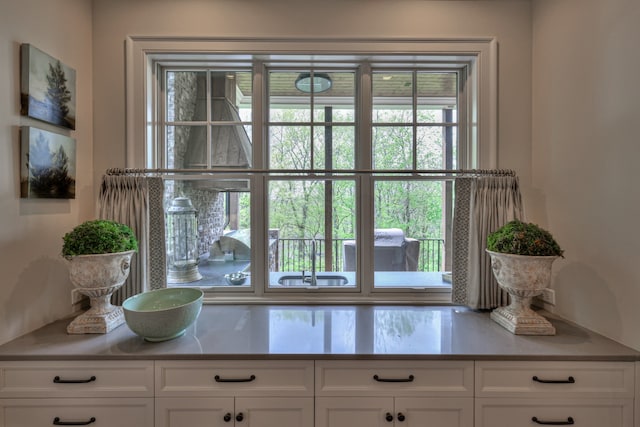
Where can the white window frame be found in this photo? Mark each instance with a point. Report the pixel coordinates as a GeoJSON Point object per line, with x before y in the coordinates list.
{"type": "Point", "coordinates": [145, 54]}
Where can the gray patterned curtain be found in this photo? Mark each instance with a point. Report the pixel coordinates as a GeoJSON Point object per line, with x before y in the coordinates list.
{"type": "Point", "coordinates": [482, 205]}
{"type": "Point", "coordinates": [136, 201]}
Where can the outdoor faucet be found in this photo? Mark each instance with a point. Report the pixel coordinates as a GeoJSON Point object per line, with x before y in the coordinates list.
{"type": "Point", "coordinates": [314, 280]}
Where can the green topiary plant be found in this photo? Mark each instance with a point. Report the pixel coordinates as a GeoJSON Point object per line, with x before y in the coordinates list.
{"type": "Point", "coordinates": [99, 237]}
{"type": "Point", "coordinates": [520, 238]}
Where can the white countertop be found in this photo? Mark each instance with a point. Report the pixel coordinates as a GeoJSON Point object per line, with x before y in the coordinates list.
{"type": "Point", "coordinates": [326, 332]}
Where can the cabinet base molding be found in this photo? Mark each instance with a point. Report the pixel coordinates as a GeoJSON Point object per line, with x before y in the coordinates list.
{"type": "Point", "coordinates": [526, 323]}
{"type": "Point", "coordinates": [88, 323]}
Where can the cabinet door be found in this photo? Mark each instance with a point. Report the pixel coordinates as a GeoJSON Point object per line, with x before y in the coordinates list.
{"type": "Point", "coordinates": [434, 412]}
{"type": "Point", "coordinates": [274, 412]}
{"type": "Point", "coordinates": [354, 411]}
{"type": "Point", "coordinates": [194, 412]}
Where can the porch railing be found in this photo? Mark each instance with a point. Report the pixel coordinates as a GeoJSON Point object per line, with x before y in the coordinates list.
{"type": "Point", "coordinates": [295, 254]}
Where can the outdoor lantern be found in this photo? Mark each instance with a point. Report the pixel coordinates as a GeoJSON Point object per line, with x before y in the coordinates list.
{"type": "Point", "coordinates": [319, 82]}
{"type": "Point", "coordinates": [182, 242]}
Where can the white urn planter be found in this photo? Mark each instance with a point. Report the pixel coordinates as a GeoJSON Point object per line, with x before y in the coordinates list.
{"type": "Point", "coordinates": [522, 277]}
{"type": "Point", "coordinates": [98, 277]}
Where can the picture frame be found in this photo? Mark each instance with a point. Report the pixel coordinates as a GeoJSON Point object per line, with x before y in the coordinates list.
{"type": "Point", "coordinates": [48, 88]}
{"type": "Point", "coordinates": [48, 164]}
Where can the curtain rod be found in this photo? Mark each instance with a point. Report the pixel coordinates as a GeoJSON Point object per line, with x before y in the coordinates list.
{"type": "Point", "coordinates": [459, 172]}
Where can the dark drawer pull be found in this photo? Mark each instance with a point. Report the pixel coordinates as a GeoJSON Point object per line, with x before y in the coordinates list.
{"type": "Point", "coordinates": [394, 380]}
{"type": "Point", "coordinates": [234, 380]}
{"type": "Point", "coordinates": [554, 423]}
{"type": "Point", "coordinates": [57, 422]}
{"type": "Point", "coordinates": [569, 380]}
{"type": "Point", "coordinates": [58, 380]}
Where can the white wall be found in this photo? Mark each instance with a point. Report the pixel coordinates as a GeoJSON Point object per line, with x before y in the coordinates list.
{"type": "Point", "coordinates": [586, 111]}
{"type": "Point", "coordinates": [34, 289]}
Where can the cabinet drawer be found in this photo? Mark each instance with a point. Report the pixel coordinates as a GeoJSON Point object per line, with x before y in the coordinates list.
{"type": "Point", "coordinates": [577, 412]}
{"type": "Point", "coordinates": [240, 378]}
{"type": "Point", "coordinates": [76, 379]}
{"type": "Point", "coordinates": [555, 379]}
{"type": "Point", "coordinates": [136, 412]}
{"type": "Point", "coordinates": [399, 378]}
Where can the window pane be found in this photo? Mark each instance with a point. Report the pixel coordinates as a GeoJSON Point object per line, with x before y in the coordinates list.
{"type": "Point", "coordinates": [392, 147]}
{"type": "Point", "coordinates": [291, 96]}
{"type": "Point", "coordinates": [186, 96]}
{"type": "Point", "coordinates": [408, 240]}
{"type": "Point", "coordinates": [392, 97]}
{"type": "Point", "coordinates": [435, 93]}
{"type": "Point", "coordinates": [290, 147]}
{"type": "Point", "coordinates": [186, 147]}
{"type": "Point", "coordinates": [334, 147]}
{"type": "Point", "coordinates": [286, 103]}
{"type": "Point", "coordinates": [337, 104]}
{"type": "Point", "coordinates": [230, 96]}
{"type": "Point", "coordinates": [299, 211]}
{"type": "Point", "coordinates": [231, 146]}
{"type": "Point", "coordinates": [430, 147]}
{"type": "Point", "coordinates": [221, 208]}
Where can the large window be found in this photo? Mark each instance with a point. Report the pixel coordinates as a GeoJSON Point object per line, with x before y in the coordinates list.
{"type": "Point", "coordinates": [321, 177]}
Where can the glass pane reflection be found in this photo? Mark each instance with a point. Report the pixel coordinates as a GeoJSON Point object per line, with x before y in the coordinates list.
{"type": "Point", "coordinates": [351, 330]}
{"type": "Point", "coordinates": [405, 331]}
{"type": "Point", "coordinates": [312, 331]}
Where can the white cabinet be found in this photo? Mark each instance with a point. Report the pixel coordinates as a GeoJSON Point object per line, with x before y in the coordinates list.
{"type": "Point", "coordinates": [394, 393]}
{"type": "Point", "coordinates": [554, 393]}
{"type": "Point", "coordinates": [324, 393]}
{"type": "Point", "coordinates": [97, 393]}
{"type": "Point", "coordinates": [194, 412]}
{"type": "Point", "coordinates": [394, 411]}
{"type": "Point", "coordinates": [229, 411]}
{"type": "Point", "coordinates": [234, 393]}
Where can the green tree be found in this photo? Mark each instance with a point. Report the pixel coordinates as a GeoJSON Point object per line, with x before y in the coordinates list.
{"type": "Point", "coordinates": [57, 92]}
{"type": "Point", "coordinates": [297, 206]}
{"type": "Point", "coordinates": [49, 171]}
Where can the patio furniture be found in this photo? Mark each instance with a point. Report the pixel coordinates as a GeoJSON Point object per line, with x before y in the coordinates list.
{"type": "Point", "coordinates": [392, 251]}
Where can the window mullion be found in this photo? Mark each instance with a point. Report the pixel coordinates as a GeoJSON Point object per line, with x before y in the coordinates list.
{"type": "Point", "coordinates": [259, 193]}
{"type": "Point", "coordinates": [364, 184]}
{"type": "Point", "coordinates": [209, 121]}
{"type": "Point", "coordinates": [414, 100]}
{"type": "Point", "coordinates": [258, 107]}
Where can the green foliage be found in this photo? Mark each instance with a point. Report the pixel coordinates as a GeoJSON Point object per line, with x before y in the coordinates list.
{"type": "Point", "coordinates": [297, 207]}
{"type": "Point", "coordinates": [57, 92]}
{"type": "Point", "coordinates": [99, 237]}
{"type": "Point", "coordinates": [49, 171]}
{"type": "Point", "coordinates": [519, 238]}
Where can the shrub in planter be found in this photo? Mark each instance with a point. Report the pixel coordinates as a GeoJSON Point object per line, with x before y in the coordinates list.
{"type": "Point", "coordinates": [521, 258]}
{"type": "Point", "coordinates": [99, 237]}
{"type": "Point", "coordinates": [520, 238]}
{"type": "Point", "coordinates": [99, 254]}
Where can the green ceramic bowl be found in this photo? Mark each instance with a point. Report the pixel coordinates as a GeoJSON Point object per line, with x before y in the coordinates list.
{"type": "Point", "coordinates": [162, 314]}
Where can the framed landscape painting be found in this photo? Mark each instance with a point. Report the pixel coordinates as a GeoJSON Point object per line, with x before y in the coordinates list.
{"type": "Point", "coordinates": [48, 165]}
{"type": "Point", "coordinates": [48, 88]}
